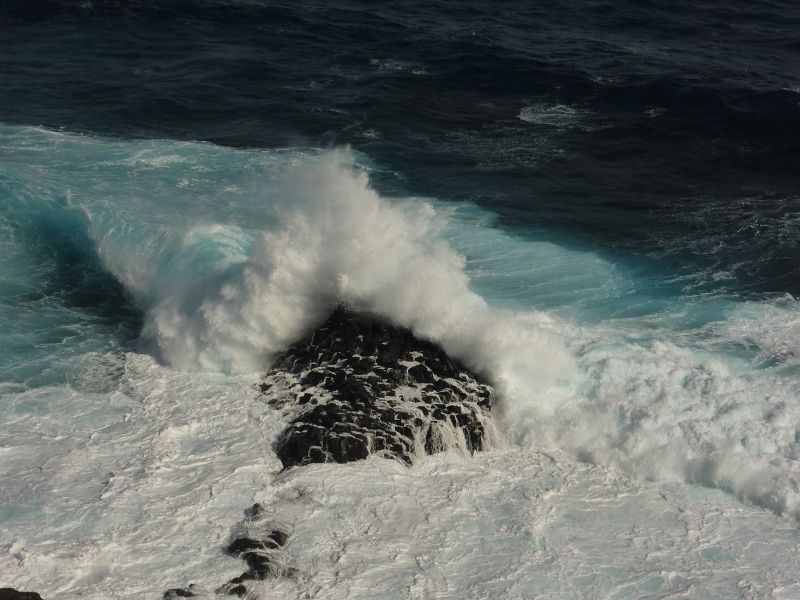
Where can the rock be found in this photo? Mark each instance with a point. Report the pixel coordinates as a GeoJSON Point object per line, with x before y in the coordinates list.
{"type": "Point", "coordinates": [263, 554]}
{"type": "Point", "coordinates": [245, 544]}
{"type": "Point", "coordinates": [177, 593]}
{"type": "Point", "coordinates": [12, 594]}
{"type": "Point", "coordinates": [254, 512]}
{"type": "Point", "coordinates": [421, 373]}
{"type": "Point", "coordinates": [359, 385]}
{"type": "Point", "coordinates": [280, 537]}
{"type": "Point", "coordinates": [237, 590]}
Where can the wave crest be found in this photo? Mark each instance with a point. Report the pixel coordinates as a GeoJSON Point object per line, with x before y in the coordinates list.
{"type": "Point", "coordinates": [334, 239]}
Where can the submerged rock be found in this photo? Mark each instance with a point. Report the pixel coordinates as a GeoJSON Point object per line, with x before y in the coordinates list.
{"type": "Point", "coordinates": [260, 545]}
{"type": "Point", "coordinates": [176, 593]}
{"type": "Point", "coordinates": [359, 385]}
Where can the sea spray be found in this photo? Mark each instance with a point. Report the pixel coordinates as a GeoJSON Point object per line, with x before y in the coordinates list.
{"type": "Point", "coordinates": [231, 254]}
{"type": "Point", "coordinates": [327, 237]}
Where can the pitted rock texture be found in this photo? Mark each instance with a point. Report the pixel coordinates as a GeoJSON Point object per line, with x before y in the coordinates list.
{"type": "Point", "coordinates": [359, 385]}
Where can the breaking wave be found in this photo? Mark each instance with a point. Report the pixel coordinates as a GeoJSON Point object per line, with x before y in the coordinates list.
{"type": "Point", "coordinates": [222, 296]}
{"type": "Point", "coordinates": [231, 255]}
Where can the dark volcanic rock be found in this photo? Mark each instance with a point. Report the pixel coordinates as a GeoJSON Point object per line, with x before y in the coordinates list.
{"type": "Point", "coordinates": [12, 594]}
{"type": "Point", "coordinates": [359, 385]}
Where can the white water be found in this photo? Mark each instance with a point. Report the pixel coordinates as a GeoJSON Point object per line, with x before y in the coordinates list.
{"type": "Point", "coordinates": [232, 254]}
{"type": "Point", "coordinates": [127, 493]}
{"type": "Point", "coordinates": [333, 239]}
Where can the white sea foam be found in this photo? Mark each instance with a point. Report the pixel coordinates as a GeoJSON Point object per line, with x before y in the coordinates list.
{"type": "Point", "coordinates": [699, 394]}
{"type": "Point", "coordinates": [114, 493]}
{"type": "Point", "coordinates": [126, 493]}
{"type": "Point", "coordinates": [553, 115]}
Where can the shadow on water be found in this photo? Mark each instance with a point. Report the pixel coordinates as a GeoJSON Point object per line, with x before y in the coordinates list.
{"type": "Point", "coordinates": [63, 316]}
{"type": "Point", "coordinates": [68, 272]}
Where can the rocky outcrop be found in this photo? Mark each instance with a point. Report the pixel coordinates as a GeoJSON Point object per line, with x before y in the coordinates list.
{"type": "Point", "coordinates": [356, 386]}
{"type": "Point", "coordinates": [359, 385]}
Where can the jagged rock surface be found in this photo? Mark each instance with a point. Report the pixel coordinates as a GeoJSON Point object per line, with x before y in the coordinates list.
{"type": "Point", "coordinates": [359, 385]}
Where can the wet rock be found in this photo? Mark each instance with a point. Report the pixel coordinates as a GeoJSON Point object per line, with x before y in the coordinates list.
{"type": "Point", "coordinates": [263, 556]}
{"type": "Point", "coordinates": [237, 590]}
{"type": "Point", "coordinates": [245, 544]}
{"type": "Point", "coordinates": [254, 512]}
{"type": "Point", "coordinates": [175, 593]}
{"type": "Point", "coordinates": [359, 385]}
{"type": "Point", "coordinates": [12, 594]}
{"type": "Point", "coordinates": [421, 374]}
{"type": "Point", "coordinates": [280, 537]}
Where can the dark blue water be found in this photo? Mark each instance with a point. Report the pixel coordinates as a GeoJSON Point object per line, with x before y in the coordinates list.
{"type": "Point", "coordinates": [666, 133]}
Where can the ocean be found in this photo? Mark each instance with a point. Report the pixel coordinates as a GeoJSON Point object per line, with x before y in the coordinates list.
{"type": "Point", "coordinates": [593, 206]}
